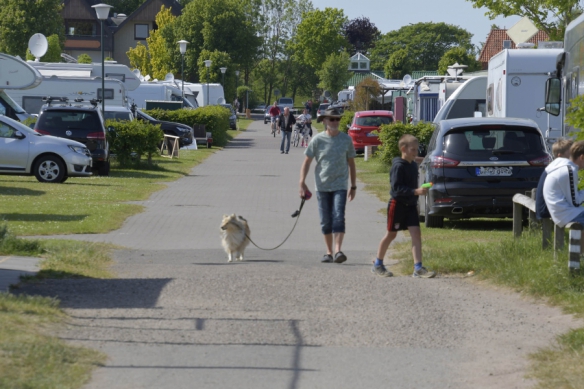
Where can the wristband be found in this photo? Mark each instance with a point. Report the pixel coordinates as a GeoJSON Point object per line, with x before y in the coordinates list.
{"type": "Point", "coordinates": [353, 188]}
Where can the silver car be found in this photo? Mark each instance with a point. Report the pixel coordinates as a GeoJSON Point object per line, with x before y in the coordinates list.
{"type": "Point", "coordinates": [50, 159]}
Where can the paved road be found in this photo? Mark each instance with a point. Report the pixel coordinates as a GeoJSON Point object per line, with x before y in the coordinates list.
{"type": "Point", "coordinates": [12, 267]}
{"type": "Point", "coordinates": [180, 316]}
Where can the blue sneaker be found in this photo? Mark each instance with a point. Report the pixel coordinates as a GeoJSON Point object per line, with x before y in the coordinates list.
{"type": "Point", "coordinates": [424, 273]}
{"type": "Point", "coordinates": [381, 271]}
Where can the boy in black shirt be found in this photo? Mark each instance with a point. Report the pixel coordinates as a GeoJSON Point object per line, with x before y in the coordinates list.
{"type": "Point", "coordinates": [402, 210]}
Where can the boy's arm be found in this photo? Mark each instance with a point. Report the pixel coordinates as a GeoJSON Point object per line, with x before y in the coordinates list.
{"type": "Point", "coordinates": [353, 178]}
{"type": "Point", "coordinates": [303, 173]}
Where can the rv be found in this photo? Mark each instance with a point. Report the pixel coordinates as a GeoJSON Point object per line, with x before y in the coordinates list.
{"type": "Point", "coordinates": [71, 87]}
{"type": "Point", "coordinates": [15, 74]}
{"type": "Point", "coordinates": [111, 70]}
{"type": "Point", "coordinates": [155, 91]}
{"type": "Point", "coordinates": [215, 94]}
{"type": "Point", "coordinates": [516, 80]}
{"type": "Point", "coordinates": [467, 99]}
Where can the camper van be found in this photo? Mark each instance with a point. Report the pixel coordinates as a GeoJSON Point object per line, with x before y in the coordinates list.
{"type": "Point", "coordinates": [111, 70]}
{"type": "Point", "coordinates": [15, 74]}
{"type": "Point", "coordinates": [216, 95]}
{"type": "Point", "coordinates": [156, 91]}
{"type": "Point", "coordinates": [71, 87]}
{"type": "Point", "coordinates": [516, 80]}
{"type": "Point", "coordinates": [466, 101]}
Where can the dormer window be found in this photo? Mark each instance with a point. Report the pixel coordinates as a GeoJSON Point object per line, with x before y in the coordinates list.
{"type": "Point", "coordinates": [359, 62]}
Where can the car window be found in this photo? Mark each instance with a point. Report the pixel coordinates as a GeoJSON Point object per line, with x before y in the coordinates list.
{"type": "Point", "coordinates": [118, 115]}
{"type": "Point", "coordinates": [285, 101]}
{"type": "Point", "coordinates": [72, 120]}
{"type": "Point", "coordinates": [6, 131]}
{"type": "Point", "coordinates": [323, 106]}
{"type": "Point", "coordinates": [474, 142]}
{"type": "Point", "coordinates": [373, 121]}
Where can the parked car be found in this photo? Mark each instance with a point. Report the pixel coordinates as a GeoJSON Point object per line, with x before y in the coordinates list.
{"type": "Point", "coordinates": [50, 159]}
{"type": "Point", "coordinates": [476, 165]}
{"type": "Point", "coordinates": [321, 109]}
{"type": "Point", "coordinates": [361, 130]}
{"type": "Point", "coordinates": [284, 102]}
{"type": "Point", "coordinates": [260, 108]}
{"type": "Point", "coordinates": [232, 116]}
{"type": "Point", "coordinates": [116, 112]}
{"type": "Point", "coordinates": [184, 132]}
{"type": "Point", "coordinates": [79, 122]}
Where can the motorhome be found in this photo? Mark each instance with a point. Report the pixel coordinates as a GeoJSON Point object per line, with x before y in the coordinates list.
{"type": "Point", "coordinates": [111, 70]}
{"type": "Point", "coordinates": [71, 87]}
{"type": "Point", "coordinates": [156, 91]}
{"type": "Point", "coordinates": [15, 74]}
{"type": "Point", "coordinates": [467, 100]}
{"type": "Point", "coordinates": [206, 94]}
{"type": "Point", "coordinates": [516, 80]}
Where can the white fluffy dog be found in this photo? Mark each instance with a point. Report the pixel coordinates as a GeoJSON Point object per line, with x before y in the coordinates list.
{"type": "Point", "coordinates": [233, 233]}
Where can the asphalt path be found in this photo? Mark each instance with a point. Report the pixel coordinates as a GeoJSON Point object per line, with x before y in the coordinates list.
{"type": "Point", "coordinates": [178, 315]}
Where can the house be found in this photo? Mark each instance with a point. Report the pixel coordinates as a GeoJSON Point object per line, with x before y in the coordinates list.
{"type": "Point", "coordinates": [121, 32]}
{"type": "Point", "coordinates": [498, 39]}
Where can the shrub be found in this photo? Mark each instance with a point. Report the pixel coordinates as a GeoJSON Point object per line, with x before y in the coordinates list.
{"type": "Point", "coordinates": [389, 135]}
{"type": "Point", "coordinates": [346, 120]}
{"type": "Point", "coordinates": [133, 139]}
{"type": "Point", "coordinates": [214, 117]}
{"type": "Point", "coordinates": [10, 244]}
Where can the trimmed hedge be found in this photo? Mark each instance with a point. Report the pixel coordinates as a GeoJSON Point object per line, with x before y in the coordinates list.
{"type": "Point", "coordinates": [389, 135]}
{"type": "Point", "coordinates": [129, 139]}
{"type": "Point", "coordinates": [346, 119]}
{"type": "Point", "coordinates": [214, 117]}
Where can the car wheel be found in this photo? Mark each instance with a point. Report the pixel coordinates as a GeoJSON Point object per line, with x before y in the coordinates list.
{"type": "Point", "coordinates": [432, 221]}
{"type": "Point", "coordinates": [50, 168]}
{"type": "Point", "coordinates": [104, 169]}
{"type": "Point", "coordinates": [64, 179]}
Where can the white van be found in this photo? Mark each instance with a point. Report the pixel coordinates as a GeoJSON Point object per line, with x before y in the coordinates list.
{"type": "Point", "coordinates": [155, 91]}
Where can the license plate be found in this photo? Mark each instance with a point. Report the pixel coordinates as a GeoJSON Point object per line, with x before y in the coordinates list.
{"type": "Point", "coordinates": [372, 135]}
{"type": "Point", "coordinates": [494, 171]}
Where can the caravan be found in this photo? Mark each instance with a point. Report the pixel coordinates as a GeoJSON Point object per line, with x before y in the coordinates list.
{"type": "Point", "coordinates": [15, 74]}
{"type": "Point", "coordinates": [156, 91]}
{"type": "Point", "coordinates": [206, 94]}
{"type": "Point", "coordinates": [468, 99]}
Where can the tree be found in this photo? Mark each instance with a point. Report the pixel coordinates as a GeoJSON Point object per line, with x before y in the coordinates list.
{"type": "Point", "coordinates": [84, 58]}
{"type": "Point", "coordinates": [461, 56]}
{"type": "Point", "coordinates": [160, 52]}
{"type": "Point", "coordinates": [365, 92]}
{"type": "Point", "coordinates": [361, 34]}
{"type": "Point", "coordinates": [20, 19]}
{"type": "Point", "coordinates": [320, 34]}
{"type": "Point", "coordinates": [53, 53]}
{"type": "Point", "coordinates": [139, 58]}
{"type": "Point", "coordinates": [218, 59]}
{"type": "Point", "coordinates": [538, 11]}
{"type": "Point", "coordinates": [398, 65]}
{"type": "Point", "coordinates": [425, 44]}
{"type": "Point", "coordinates": [335, 73]}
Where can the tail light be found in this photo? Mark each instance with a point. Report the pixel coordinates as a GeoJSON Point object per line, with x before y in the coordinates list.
{"type": "Point", "coordinates": [43, 132]}
{"type": "Point", "coordinates": [541, 161]}
{"type": "Point", "coordinates": [442, 162]}
{"type": "Point", "coordinates": [443, 200]}
{"type": "Point", "coordinates": [96, 135]}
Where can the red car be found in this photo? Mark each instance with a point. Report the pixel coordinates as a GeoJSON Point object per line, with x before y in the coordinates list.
{"type": "Point", "coordinates": [364, 123]}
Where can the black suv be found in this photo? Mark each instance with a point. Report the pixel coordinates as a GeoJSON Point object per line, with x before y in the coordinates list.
{"type": "Point", "coordinates": [184, 132]}
{"type": "Point", "coordinates": [80, 122]}
{"type": "Point", "coordinates": [476, 165]}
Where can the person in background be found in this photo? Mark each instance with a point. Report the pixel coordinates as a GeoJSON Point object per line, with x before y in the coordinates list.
{"type": "Point", "coordinates": [286, 123]}
{"type": "Point", "coordinates": [560, 149]}
{"type": "Point", "coordinates": [274, 114]}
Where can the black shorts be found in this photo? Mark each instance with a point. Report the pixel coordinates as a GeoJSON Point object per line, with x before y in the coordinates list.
{"type": "Point", "coordinates": [401, 216]}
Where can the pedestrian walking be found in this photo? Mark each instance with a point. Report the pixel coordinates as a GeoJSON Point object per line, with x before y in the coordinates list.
{"type": "Point", "coordinates": [560, 149]}
{"type": "Point", "coordinates": [402, 209]}
{"type": "Point", "coordinates": [334, 154]}
{"type": "Point", "coordinates": [286, 123]}
{"type": "Point", "coordinates": [236, 104]}
{"type": "Point", "coordinates": [306, 120]}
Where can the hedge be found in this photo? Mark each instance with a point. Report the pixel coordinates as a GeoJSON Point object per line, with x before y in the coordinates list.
{"type": "Point", "coordinates": [346, 119]}
{"type": "Point", "coordinates": [389, 135]}
{"type": "Point", "coordinates": [214, 117]}
{"type": "Point", "coordinates": [130, 140]}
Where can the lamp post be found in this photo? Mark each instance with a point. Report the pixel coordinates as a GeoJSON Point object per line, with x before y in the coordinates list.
{"type": "Point", "coordinates": [183, 49]}
{"type": "Point", "coordinates": [102, 11]}
{"type": "Point", "coordinates": [223, 70]}
{"type": "Point", "coordinates": [236, 79]}
{"type": "Point", "coordinates": [208, 65]}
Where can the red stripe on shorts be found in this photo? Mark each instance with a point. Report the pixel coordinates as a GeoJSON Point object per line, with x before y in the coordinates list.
{"type": "Point", "coordinates": [391, 213]}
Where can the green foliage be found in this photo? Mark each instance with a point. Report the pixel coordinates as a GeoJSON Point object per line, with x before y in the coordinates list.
{"type": "Point", "coordinates": [84, 58]}
{"type": "Point", "coordinates": [398, 65]}
{"type": "Point", "coordinates": [11, 245]}
{"type": "Point", "coordinates": [335, 73]}
{"type": "Point", "coordinates": [53, 53]}
{"type": "Point", "coordinates": [135, 137]}
{"type": "Point", "coordinates": [365, 93]}
{"type": "Point", "coordinates": [461, 56]}
{"type": "Point", "coordinates": [214, 117]}
{"type": "Point", "coordinates": [139, 58]}
{"type": "Point", "coordinates": [575, 115]}
{"type": "Point", "coordinates": [252, 96]}
{"type": "Point", "coordinates": [218, 59]}
{"type": "Point", "coordinates": [389, 135]}
{"type": "Point", "coordinates": [160, 52]}
{"type": "Point", "coordinates": [20, 19]}
{"type": "Point", "coordinates": [424, 43]}
{"type": "Point", "coordinates": [538, 11]}
{"type": "Point", "coordinates": [346, 120]}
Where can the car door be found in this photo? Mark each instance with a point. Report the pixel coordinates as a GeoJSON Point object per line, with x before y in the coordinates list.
{"type": "Point", "coordinates": [13, 151]}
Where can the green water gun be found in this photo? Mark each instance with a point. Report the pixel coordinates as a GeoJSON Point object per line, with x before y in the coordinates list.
{"type": "Point", "coordinates": [427, 185]}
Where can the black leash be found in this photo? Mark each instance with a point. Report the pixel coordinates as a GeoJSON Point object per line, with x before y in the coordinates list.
{"type": "Point", "coordinates": [296, 214]}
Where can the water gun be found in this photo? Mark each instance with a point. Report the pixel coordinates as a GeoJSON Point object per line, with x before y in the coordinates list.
{"type": "Point", "coordinates": [427, 185]}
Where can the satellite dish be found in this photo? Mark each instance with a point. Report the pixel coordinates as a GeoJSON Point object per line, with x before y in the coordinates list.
{"type": "Point", "coordinates": [221, 100]}
{"type": "Point", "coordinates": [169, 77]}
{"type": "Point", "coordinates": [327, 93]}
{"type": "Point", "coordinates": [407, 80]}
{"type": "Point", "coordinates": [147, 77]}
{"type": "Point", "coordinates": [38, 45]}
{"type": "Point", "coordinates": [142, 79]}
{"type": "Point", "coordinates": [136, 72]}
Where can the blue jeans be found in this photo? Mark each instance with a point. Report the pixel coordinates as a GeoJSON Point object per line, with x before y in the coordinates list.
{"type": "Point", "coordinates": [285, 135]}
{"type": "Point", "coordinates": [331, 206]}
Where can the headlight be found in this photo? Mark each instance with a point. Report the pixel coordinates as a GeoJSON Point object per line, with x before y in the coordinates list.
{"type": "Point", "coordinates": [80, 149]}
{"type": "Point", "coordinates": [182, 129]}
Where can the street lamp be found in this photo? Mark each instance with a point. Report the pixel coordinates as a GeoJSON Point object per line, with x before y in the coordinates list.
{"type": "Point", "coordinates": [102, 11]}
{"type": "Point", "coordinates": [236, 79]}
{"type": "Point", "coordinates": [183, 49]}
{"type": "Point", "coordinates": [223, 70]}
{"type": "Point", "coordinates": [208, 65]}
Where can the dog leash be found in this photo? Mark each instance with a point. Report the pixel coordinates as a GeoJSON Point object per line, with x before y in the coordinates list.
{"type": "Point", "coordinates": [296, 215]}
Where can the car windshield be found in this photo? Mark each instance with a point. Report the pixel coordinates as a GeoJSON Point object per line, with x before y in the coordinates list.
{"type": "Point", "coordinates": [118, 115]}
{"type": "Point", "coordinates": [72, 120]}
{"type": "Point", "coordinates": [323, 106]}
{"type": "Point", "coordinates": [373, 121]}
{"type": "Point", "coordinates": [285, 101]}
{"type": "Point", "coordinates": [478, 142]}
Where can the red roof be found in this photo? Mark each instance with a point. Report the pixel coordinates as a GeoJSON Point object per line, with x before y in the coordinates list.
{"type": "Point", "coordinates": [494, 44]}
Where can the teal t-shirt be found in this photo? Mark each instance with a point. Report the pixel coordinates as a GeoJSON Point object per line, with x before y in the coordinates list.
{"type": "Point", "coordinates": [331, 154]}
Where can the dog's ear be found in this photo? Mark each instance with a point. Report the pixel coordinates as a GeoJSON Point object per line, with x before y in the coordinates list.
{"type": "Point", "coordinates": [224, 216]}
{"type": "Point", "coordinates": [242, 218]}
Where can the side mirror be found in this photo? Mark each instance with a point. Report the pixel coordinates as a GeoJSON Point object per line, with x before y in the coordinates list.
{"type": "Point", "coordinates": [348, 126]}
{"type": "Point", "coordinates": [422, 150]}
{"type": "Point", "coordinates": [553, 93]}
{"type": "Point", "coordinates": [19, 135]}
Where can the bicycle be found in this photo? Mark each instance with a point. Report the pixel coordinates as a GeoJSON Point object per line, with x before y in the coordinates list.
{"type": "Point", "coordinates": [273, 125]}
{"type": "Point", "coordinates": [296, 137]}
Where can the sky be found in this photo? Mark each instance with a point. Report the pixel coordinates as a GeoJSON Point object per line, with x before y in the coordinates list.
{"type": "Point", "coordinates": [389, 15]}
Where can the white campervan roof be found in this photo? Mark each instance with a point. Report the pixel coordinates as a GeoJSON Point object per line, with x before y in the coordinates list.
{"type": "Point", "coordinates": [112, 70]}
{"type": "Point", "coordinates": [17, 74]}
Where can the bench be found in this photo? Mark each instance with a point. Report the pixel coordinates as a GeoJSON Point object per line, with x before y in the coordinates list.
{"type": "Point", "coordinates": [202, 136]}
{"type": "Point", "coordinates": [575, 235]}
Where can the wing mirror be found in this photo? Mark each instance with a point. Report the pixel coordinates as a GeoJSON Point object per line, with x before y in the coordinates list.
{"type": "Point", "coordinates": [553, 92]}
{"type": "Point", "coordinates": [19, 135]}
{"type": "Point", "coordinates": [422, 150]}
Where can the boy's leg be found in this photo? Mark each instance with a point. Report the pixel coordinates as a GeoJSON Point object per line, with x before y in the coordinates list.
{"type": "Point", "coordinates": [326, 223]}
{"type": "Point", "coordinates": [416, 235]}
{"type": "Point", "coordinates": [384, 244]}
{"type": "Point", "coordinates": [338, 217]}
